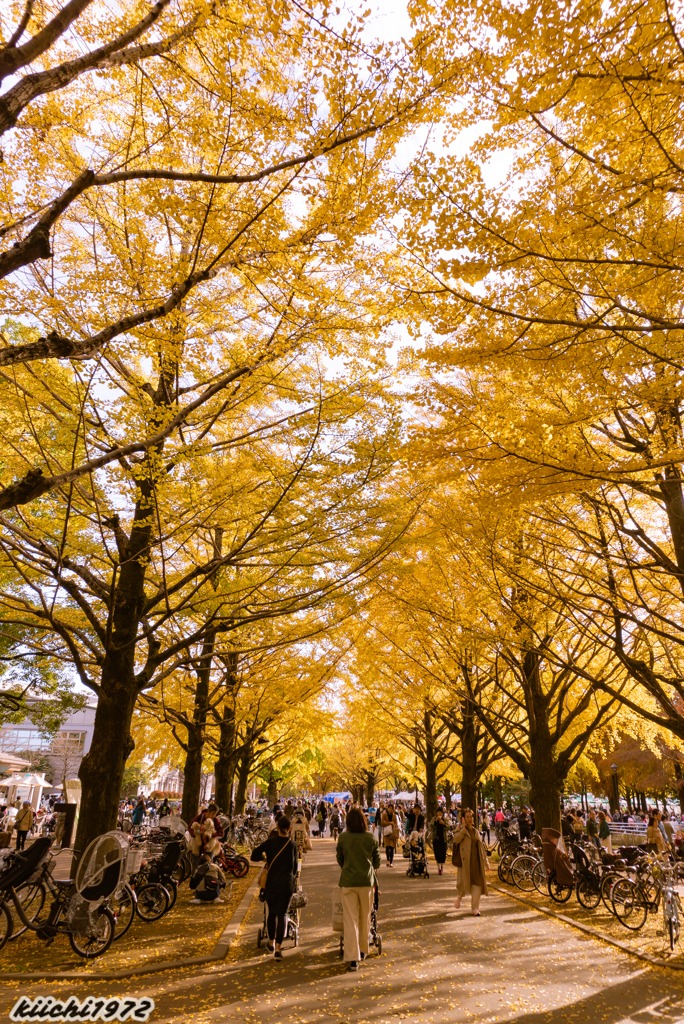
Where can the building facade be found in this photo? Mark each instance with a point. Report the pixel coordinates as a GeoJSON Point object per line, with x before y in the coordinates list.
{"type": "Point", "coordinates": [66, 747]}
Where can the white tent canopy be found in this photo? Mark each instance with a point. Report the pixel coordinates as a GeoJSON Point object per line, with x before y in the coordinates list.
{"type": "Point", "coordinates": [34, 783]}
{"type": "Point", "coordinates": [25, 780]}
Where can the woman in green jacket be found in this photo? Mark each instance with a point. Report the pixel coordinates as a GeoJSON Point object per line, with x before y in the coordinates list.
{"type": "Point", "coordinates": [358, 855]}
{"type": "Point", "coordinates": [604, 833]}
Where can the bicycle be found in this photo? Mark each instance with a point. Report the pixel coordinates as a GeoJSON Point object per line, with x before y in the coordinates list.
{"type": "Point", "coordinates": [523, 867]}
{"type": "Point", "coordinates": [79, 908]}
{"type": "Point", "coordinates": [633, 900]}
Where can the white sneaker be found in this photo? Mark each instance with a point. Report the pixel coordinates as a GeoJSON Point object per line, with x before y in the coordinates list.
{"type": "Point", "coordinates": [218, 900]}
{"type": "Point", "coordinates": [197, 901]}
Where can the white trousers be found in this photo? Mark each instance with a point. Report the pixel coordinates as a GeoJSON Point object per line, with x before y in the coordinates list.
{"type": "Point", "coordinates": [357, 903]}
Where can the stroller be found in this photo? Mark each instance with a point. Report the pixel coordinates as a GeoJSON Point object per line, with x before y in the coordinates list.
{"type": "Point", "coordinates": [374, 936]}
{"type": "Point", "coordinates": [418, 865]}
{"type": "Point", "coordinates": [297, 901]}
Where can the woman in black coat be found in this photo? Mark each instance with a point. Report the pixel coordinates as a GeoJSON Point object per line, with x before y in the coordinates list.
{"type": "Point", "coordinates": [280, 853]}
{"type": "Point", "coordinates": [439, 839]}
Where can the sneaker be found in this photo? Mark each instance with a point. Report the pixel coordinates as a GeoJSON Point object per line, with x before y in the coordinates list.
{"type": "Point", "coordinates": [363, 956]}
{"type": "Point", "coordinates": [270, 948]}
{"type": "Point", "coordinates": [353, 966]}
{"type": "Point", "coordinates": [197, 901]}
{"type": "Point", "coordinates": [218, 900]}
{"type": "Point", "coordinates": [278, 955]}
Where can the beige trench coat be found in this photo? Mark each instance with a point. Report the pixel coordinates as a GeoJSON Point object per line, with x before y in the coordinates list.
{"type": "Point", "coordinates": [393, 838]}
{"type": "Point", "coordinates": [463, 839]}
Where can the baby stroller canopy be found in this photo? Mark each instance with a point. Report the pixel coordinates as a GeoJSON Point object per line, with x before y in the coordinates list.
{"type": "Point", "coordinates": [174, 824]}
{"type": "Point", "coordinates": [102, 866]}
{"type": "Point", "coordinates": [19, 867]}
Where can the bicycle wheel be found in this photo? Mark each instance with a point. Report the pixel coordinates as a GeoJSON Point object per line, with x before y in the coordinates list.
{"type": "Point", "coordinates": [539, 878]}
{"type": "Point", "coordinates": [238, 867]}
{"type": "Point", "coordinates": [673, 930]}
{"type": "Point", "coordinates": [6, 924]}
{"type": "Point", "coordinates": [588, 893]}
{"type": "Point", "coordinates": [628, 906]}
{"type": "Point", "coordinates": [503, 869]}
{"type": "Point", "coordinates": [31, 895]}
{"type": "Point", "coordinates": [90, 946]}
{"type": "Point", "coordinates": [558, 892]}
{"type": "Point", "coordinates": [607, 883]}
{"type": "Point", "coordinates": [152, 901]}
{"type": "Point", "coordinates": [122, 906]}
{"type": "Point", "coordinates": [522, 870]}
{"type": "Point", "coordinates": [172, 889]}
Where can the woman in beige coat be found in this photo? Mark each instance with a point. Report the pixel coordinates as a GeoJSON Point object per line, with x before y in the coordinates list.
{"type": "Point", "coordinates": [472, 871]}
{"type": "Point", "coordinates": [389, 839]}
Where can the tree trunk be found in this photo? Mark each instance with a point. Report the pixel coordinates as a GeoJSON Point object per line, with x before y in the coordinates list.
{"type": "Point", "coordinates": [192, 772]}
{"type": "Point", "coordinates": [370, 787]}
{"type": "Point", "coordinates": [102, 768]}
{"type": "Point", "coordinates": [272, 787]}
{"type": "Point", "coordinates": [498, 792]}
{"type": "Point", "coordinates": [224, 767]}
{"type": "Point", "coordinates": [447, 795]}
{"type": "Point", "coordinates": [197, 732]}
{"type": "Point", "coordinates": [430, 761]}
{"type": "Point", "coordinates": [545, 798]}
{"type": "Point", "coordinates": [243, 780]}
{"type": "Point", "coordinates": [470, 774]}
{"type": "Point", "coordinates": [545, 783]}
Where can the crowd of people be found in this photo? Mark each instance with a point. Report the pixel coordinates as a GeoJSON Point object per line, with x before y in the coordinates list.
{"type": "Point", "coordinates": [362, 834]}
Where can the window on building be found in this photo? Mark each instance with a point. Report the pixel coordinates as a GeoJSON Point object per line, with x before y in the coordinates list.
{"type": "Point", "coordinates": [16, 740]}
{"type": "Point", "coordinates": [74, 741]}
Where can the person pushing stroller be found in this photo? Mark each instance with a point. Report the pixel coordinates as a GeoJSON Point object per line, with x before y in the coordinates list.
{"type": "Point", "coordinates": [418, 865]}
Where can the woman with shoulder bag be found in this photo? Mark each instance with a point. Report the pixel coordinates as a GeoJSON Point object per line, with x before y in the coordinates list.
{"type": "Point", "coordinates": [278, 880]}
{"type": "Point", "coordinates": [358, 855]}
{"type": "Point", "coordinates": [470, 857]}
{"type": "Point", "coordinates": [390, 832]}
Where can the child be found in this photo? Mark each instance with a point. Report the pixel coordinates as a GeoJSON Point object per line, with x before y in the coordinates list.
{"type": "Point", "coordinates": [207, 881]}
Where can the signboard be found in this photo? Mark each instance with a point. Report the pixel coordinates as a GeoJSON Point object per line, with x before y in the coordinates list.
{"type": "Point", "coordinates": [65, 819]}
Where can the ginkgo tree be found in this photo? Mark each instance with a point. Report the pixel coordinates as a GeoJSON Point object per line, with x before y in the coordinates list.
{"type": "Point", "coordinates": [124, 579]}
{"type": "Point", "coordinates": [551, 288]}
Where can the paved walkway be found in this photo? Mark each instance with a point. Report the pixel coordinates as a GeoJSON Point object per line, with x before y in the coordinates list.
{"type": "Point", "coordinates": [438, 964]}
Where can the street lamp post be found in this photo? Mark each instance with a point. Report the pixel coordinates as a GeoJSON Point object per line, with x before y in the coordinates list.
{"type": "Point", "coordinates": [616, 787]}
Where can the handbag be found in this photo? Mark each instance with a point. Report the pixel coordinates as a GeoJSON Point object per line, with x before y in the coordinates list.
{"type": "Point", "coordinates": [338, 912]}
{"type": "Point", "coordinates": [388, 830]}
{"type": "Point", "coordinates": [264, 874]}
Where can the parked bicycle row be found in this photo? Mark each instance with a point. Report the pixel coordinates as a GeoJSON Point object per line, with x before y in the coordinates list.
{"type": "Point", "coordinates": [631, 883]}
{"type": "Point", "coordinates": [121, 878]}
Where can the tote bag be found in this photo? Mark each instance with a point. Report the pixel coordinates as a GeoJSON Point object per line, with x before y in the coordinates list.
{"type": "Point", "coordinates": [337, 911]}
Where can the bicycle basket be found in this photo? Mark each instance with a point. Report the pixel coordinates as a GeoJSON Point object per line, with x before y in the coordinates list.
{"type": "Point", "coordinates": [509, 845]}
{"type": "Point", "coordinates": [298, 900]}
{"type": "Point", "coordinates": [134, 859]}
{"type": "Point", "coordinates": [102, 866]}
